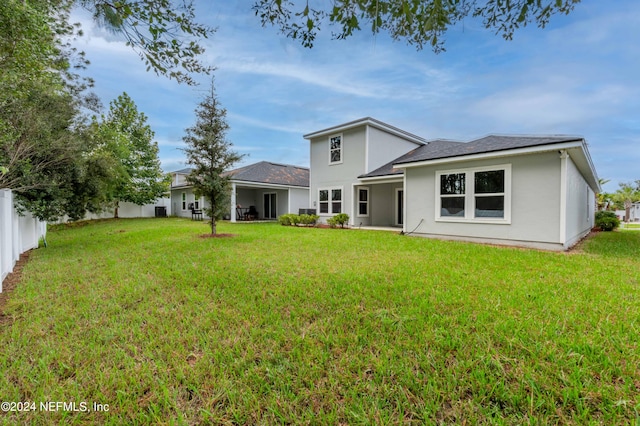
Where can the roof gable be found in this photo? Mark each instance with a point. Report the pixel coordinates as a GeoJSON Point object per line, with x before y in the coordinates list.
{"type": "Point", "coordinates": [367, 121]}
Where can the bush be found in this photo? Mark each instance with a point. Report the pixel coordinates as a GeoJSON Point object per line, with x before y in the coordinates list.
{"type": "Point", "coordinates": [339, 219]}
{"type": "Point", "coordinates": [285, 219]}
{"type": "Point", "coordinates": [309, 219]}
{"type": "Point", "coordinates": [291, 219]}
{"type": "Point", "coordinates": [606, 220]}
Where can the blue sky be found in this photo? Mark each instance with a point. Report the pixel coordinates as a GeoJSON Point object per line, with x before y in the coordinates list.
{"type": "Point", "coordinates": [580, 76]}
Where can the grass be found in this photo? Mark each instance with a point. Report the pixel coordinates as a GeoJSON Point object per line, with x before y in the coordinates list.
{"type": "Point", "coordinates": [321, 326]}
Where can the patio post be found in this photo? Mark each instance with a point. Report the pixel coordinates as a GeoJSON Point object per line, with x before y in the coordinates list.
{"type": "Point", "coordinates": [233, 202]}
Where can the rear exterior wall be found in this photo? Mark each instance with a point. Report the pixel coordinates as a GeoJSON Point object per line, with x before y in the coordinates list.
{"type": "Point", "coordinates": [535, 202]}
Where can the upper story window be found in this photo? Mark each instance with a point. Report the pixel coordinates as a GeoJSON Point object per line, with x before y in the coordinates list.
{"type": "Point", "coordinates": [481, 194]}
{"type": "Point", "coordinates": [335, 149]}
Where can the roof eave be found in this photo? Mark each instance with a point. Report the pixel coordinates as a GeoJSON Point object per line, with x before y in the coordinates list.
{"type": "Point", "coordinates": [398, 176]}
{"type": "Point", "coordinates": [266, 184]}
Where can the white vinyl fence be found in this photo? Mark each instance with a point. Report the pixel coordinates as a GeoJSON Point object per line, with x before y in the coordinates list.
{"type": "Point", "coordinates": [17, 233]}
{"type": "Point", "coordinates": [130, 210]}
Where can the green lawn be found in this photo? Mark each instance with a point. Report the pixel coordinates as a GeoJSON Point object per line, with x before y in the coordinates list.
{"type": "Point", "coordinates": [321, 326]}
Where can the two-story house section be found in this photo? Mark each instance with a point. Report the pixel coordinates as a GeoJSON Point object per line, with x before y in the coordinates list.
{"type": "Point", "coordinates": [340, 154]}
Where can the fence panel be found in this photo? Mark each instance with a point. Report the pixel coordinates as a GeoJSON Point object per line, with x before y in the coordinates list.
{"type": "Point", "coordinates": [17, 234]}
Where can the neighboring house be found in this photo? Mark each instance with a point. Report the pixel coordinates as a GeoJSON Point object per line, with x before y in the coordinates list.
{"type": "Point", "coordinates": [535, 191]}
{"type": "Point", "coordinates": [272, 189]}
{"type": "Point", "coordinates": [634, 213]}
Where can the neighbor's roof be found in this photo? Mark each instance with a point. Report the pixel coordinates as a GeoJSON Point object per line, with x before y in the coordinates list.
{"type": "Point", "coordinates": [272, 173]}
{"type": "Point", "coordinates": [186, 171]}
{"type": "Point", "coordinates": [367, 121]}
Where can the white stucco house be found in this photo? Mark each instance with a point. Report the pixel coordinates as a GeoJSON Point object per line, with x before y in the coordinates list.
{"type": "Point", "coordinates": [262, 190]}
{"type": "Point", "coordinates": [634, 213]}
{"type": "Point", "coordinates": [534, 191]}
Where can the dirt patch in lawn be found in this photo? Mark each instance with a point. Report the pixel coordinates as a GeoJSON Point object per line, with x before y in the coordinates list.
{"type": "Point", "coordinates": [9, 284]}
{"type": "Point", "coordinates": [217, 235]}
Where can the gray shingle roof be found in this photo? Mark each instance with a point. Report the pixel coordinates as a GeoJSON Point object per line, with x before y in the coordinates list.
{"type": "Point", "coordinates": [441, 148]}
{"type": "Point", "coordinates": [487, 144]}
{"type": "Point", "coordinates": [431, 146]}
{"type": "Point", "coordinates": [272, 173]}
{"type": "Point", "coordinates": [185, 171]}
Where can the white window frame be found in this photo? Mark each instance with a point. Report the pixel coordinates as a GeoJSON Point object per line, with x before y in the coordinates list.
{"type": "Point", "coordinates": [183, 200]}
{"type": "Point", "coordinates": [330, 211]}
{"type": "Point", "coordinates": [339, 135]}
{"type": "Point", "coordinates": [362, 188]}
{"type": "Point", "coordinates": [470, 196]}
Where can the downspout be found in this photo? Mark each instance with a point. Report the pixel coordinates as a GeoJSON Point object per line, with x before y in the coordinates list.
{"type": "Point", "coordinates": [366, 149]}
{"type": "Point", "coordinates": [564, 158]}
{"type": "Point", "coordinates": [352, 217]}
{"type": "Point", "coordinates": [404, 202]}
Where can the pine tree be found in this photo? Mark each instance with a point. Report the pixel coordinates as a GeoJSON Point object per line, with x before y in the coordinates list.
{"type": "Point", "coordinates": [210, 154]}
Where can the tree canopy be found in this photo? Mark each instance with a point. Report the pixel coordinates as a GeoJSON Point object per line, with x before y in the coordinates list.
{"type": "Point", "coordinates": [418, 22]}
{"type": "Point", "coordinates": [167, 34]}
{"type": "Point", "coordinates": [164, 33]}
{"type": "Point", "coordinates": [40, 101]}
{"type": "Point", "coordinates": [125, 137]}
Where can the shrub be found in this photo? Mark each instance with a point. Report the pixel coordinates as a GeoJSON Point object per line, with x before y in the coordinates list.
{"type": "Point", "coordinates": [291, 219]}
{"type": "Point", "coordinates": [309, 219]}
{"type": "Point", "coordinates": [285, 219]}
{"type": "Point", "coordinates": [339, 219]}
{"type": "Point", "coordinates": [606, 220]}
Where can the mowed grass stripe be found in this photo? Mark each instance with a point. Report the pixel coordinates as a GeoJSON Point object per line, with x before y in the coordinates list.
{"type": "Point", "coordinates": [321, 326]}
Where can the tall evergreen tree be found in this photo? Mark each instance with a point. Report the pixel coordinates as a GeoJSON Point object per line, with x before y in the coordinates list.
{"type": "Point", "coordinates": [125, 135]}
{"type": "Point", "coordinates": [210, 154]}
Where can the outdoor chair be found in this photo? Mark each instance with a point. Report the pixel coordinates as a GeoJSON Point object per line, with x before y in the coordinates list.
{"type": "Point", "coordinates": [252, 214]}
{"type": "Point", "coordinates": [196, 214]}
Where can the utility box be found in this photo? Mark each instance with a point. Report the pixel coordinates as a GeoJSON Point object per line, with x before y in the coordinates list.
{"type": "Point", "coordinates": [161, 211]}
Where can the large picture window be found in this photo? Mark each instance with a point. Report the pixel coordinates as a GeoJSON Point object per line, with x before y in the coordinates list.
{"type": "Point", "coordinates": [481, 194]}
{"type": "Point", "coordinates": [335, 149]}
{"type": "Point", "coordinates": [330, 201]}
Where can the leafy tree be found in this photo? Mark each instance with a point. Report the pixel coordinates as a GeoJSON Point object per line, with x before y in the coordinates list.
{"type": "Point", "coordinates": [40, 104]}
{"type": "Point", "coordinates": [626, 195]}
{"type": "Point", "coordinates": [164, 33]}
{"type": "Point", "coordinates": [125, 136]}
{"type": "Point", "coordinates": [418, 22]}
{"type": "Point", "coordinates": [603, 199]}
{"type": "Point", "coordinates": [209, 152]}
